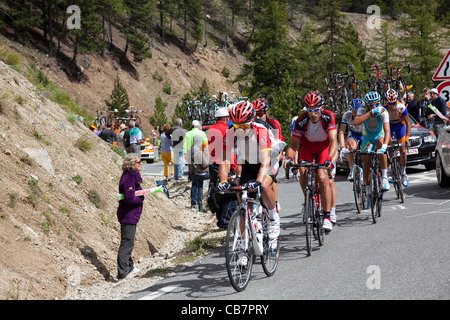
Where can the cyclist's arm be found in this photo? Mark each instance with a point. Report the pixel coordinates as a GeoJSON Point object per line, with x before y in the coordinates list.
{"type": "Point", "coordinates": [292, 149]}
{"type": "Point", "coordinates": [265, 165]}
{"type": "Point", "coordinates": [342, 129]}
{"type": "Point", "coordinates": [224, 168]}
{"type": "Point", "coordinates": [387, 133]}
{"type": "Point", "coordinates": [408, 129]}
{"type": "Point", "coordinates": [333, 149]}
{"type": "Point", "coordinates": [360, 119]}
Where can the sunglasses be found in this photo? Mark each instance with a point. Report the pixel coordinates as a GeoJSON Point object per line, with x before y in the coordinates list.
{"type": "Point", "coordinates": [242, 126]}
{"type": "Point", "coordinates": [139, 162]}
{"type": "Point", "coordinates": [374, 105]}
{"type": "Point", "coordinates": [314, 110]}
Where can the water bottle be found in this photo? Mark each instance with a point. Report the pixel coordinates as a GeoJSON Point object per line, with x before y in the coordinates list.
{"type": "Point", "coordinates": [257, 227]}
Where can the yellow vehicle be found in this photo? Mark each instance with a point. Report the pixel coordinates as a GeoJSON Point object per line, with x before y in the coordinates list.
{"type": "Point", "coordinates": [147, 151]}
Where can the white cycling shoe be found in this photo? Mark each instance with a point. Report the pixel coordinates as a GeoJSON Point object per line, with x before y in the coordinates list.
{"type": "Point", "coordinates": [274, 228]}
{"type": "Point", "coordinates": [385, 185]}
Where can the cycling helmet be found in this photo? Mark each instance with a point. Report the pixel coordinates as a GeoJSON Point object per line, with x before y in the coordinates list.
{"type": "Point", "coordinates": [372, 97]}
{"type": "Point", "coordinates": [242, 112]}
{"type": "Point", "coordinates": [260, 105]}
{"type": "Point", "coordinates": [314, 99]}
{"type": "Point", "coordinates": [391, 95]}
{"type": "Point", "coordinates": [357, 103]}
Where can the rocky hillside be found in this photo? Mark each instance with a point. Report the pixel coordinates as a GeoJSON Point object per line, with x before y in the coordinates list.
{"type": "Point", "coordinates": [58, 229]}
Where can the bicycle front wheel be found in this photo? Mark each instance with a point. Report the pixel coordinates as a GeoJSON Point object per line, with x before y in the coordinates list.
{"type": "Point", "coordinates": [309, 221]}
{"type": "Point", "coordinates": [239, 251]}
{"type": "Point", "coordinates": [357, 188]}
{"type": "Point", "coordinates": [374, 185]}
{"type": "Point", "coordinates": [271, 249]}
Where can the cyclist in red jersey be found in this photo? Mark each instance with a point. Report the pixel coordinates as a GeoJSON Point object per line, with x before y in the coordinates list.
{"type": "Point", "coordinates": [253, 145]}
{"type": "Point", "coordinates": [315, 130]}
{"type": "Point", "coordinates": [277, 139]}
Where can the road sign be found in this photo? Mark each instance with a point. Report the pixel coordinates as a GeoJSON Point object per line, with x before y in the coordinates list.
{"type": "Point", "coordinates": [444, 90]}
{"type": "Point", "coordinates": [443, 71]}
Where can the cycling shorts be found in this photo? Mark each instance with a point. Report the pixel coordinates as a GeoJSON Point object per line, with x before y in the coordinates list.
{"type": "Point", "coordinates": [309, 150]}
{"type": "Point", "coordinates": [250, 172]}
{"type": "Point", "coordinates": [399, 129]}
{"type": "Point", "coordinates": [354, 135]}
{"type": "Point", "coordinates": [369, 141]}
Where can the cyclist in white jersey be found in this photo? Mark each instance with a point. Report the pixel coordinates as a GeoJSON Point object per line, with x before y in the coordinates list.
{"type": "Point", "coordinates": [354, 133]}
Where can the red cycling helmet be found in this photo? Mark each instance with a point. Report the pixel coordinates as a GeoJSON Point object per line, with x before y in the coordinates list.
{"type": "Point", "coordinates": [242, 112]}
{"type": "Point", "coordinates": [314, 99]}
{"type": "Point", "coordinates": [260, 105]}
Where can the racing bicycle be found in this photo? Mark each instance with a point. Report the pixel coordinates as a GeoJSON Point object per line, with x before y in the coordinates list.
{"type": "Point", "coordinates": [396, 169]}
{"type": "Point", "coordinates": [248, 236]}
{"type": "Point", "coordinates": [313, 214]}
{"type": "Point", "coordinates": [376, 192]}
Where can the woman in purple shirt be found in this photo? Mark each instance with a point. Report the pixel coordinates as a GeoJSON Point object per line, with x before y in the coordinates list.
{"type": "Point", "coordinates": [129, 212]}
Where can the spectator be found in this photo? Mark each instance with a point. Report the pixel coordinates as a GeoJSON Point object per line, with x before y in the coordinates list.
{"type": "Point", "coordinates": [166, 150]}
{"type": "Point", "coordinates": [176, 134]}
{"type": "Point", "coordinates": [413, 106]}
{"type": "Point", "coordinates": [154, 137]}
{"type": "Point", "coordinates": [440, 104]}
{"type": "Point", "coordinates": [216, 134]}
{"type": "Point", "coordinates": [129, 212]}
{"type": "Point", "coordinates": [108, 134]}
{"type": "Point", "coordinates": [120, 135]}
{"type": "Point", "coordinates": [201, 165]}
{"type": "Point", "coordinates": [126, 137]}
{"type": "Point", "coordinates": [193, 140]}
{"type": "Point", "coordinates": [424, 107]}
{"type": "Point", "coordinates": [136, 138]}
{"type": "Point", "coordinates": [93, 128]}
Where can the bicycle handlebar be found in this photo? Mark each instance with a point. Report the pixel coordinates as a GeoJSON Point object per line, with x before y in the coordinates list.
{"type": "Point", "coordinates": [308, 165]}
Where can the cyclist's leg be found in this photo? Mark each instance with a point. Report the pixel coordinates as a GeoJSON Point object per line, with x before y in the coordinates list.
{"type": "Point", "coordinates": [305, 154]}
{"type": "Point", "coordinates": [382, 159]}
{"type": "Point", "coordinates": [333, 196]}
{"type": "Point", "coordinates": [352, 142]}
{"type": "Point", "coordinates": [366, 145]}
{"type": "Point", "coordinates": [325, 186]}
{"type": "Point", "coordinates": [400, 133]}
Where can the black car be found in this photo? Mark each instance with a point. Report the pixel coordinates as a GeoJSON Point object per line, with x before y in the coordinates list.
{"type": "Point", "coordinates": [421, 151]}
{"type": "Point", "coordinates": [443, 157]}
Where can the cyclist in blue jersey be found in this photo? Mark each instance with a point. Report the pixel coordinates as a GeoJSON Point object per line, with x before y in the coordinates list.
{"type": "Point", "coordinates": [376, 133]}
{"type": "Point", "coordinates": [354, 136]}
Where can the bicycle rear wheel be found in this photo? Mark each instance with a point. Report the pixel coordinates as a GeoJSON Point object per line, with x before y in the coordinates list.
{"type": "Point", "coordinates": [239, 251]}
{"type": "Point", "coordinates": [398, 180]}
{"type": "Point", "coordinates": [271, 249]}
{"type": "Point", "coordinates": [374, 197]}
{"type": "Point", "coordinates": [309, 221]}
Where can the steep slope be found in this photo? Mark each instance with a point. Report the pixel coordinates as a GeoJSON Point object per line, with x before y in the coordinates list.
{"type": "Point", "coordinates": [52, 236]}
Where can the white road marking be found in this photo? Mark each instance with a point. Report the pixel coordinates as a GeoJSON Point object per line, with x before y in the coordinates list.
{"type": "Point", "coordinates": [157, 294]}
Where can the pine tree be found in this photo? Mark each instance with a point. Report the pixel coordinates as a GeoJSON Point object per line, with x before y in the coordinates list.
{"type": "Point", "coordinates": [333, 31]}
{"type": "Point", "coordinates": [424, 41]}
{"type": "Point", "coordinates": [85, 39]}
{"type": "Point", "coordinates": [136, 26]}
{"type": "Point", "coordinates": [159, 117]}
{"type": "Point", "coordinates": [119, 99]}
{"type": "Point", "coordinates": [272, 53]}
{"type": "Point", "coordinates": [385, 43]}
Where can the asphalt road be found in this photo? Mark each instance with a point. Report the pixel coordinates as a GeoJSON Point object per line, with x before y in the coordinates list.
{"type": "Point", "coordinates": [403, 256]}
